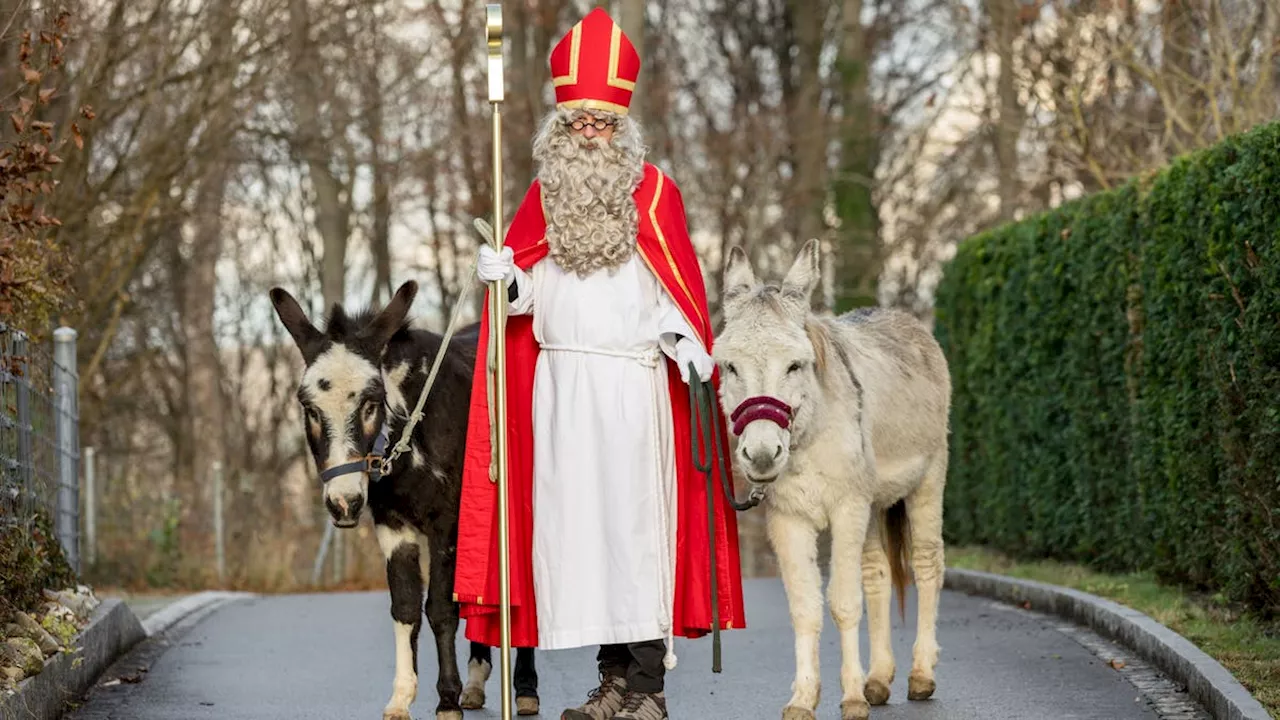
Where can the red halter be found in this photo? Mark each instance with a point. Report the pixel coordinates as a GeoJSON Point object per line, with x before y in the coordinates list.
{"type": "Point", "coordinates": [760, 407]}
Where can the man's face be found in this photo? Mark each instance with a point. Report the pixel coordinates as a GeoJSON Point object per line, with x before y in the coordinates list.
{"type": "Point", "coordinates": [590, 127]}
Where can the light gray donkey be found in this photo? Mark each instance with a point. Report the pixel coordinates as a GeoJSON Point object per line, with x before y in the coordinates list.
{"type": "Point", "coordinates": [846, 419]}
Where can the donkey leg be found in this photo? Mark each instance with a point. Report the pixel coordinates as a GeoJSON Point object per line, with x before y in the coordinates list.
{"type": "Point", "coordinates": [876, 586]}
{"type": "Point", "coordinates": [924, 512]}
{"type": "Point", "coordinates": [526, 682]}
{"type": "Point", "coordinates": [479, 667]}
{"type": "Point", "coordinates": [848, 536]}
{"type": "Point", "coordinates": [404, 578]}
{"type": "Point", "coordinates": [795, 541]}
{"type": "Point", "coordinates": [442, 616]}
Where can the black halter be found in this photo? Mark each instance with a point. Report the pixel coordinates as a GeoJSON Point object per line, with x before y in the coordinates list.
{"type": "Point", "coordinates": [371, 463]}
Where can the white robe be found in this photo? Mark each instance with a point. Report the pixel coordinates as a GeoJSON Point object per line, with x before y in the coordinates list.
{"type": "Point", "coordinates": [604, 476]}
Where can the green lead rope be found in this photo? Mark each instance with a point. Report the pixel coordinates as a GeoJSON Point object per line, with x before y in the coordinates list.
{"type": "Point", "coordinates": [708, 455]}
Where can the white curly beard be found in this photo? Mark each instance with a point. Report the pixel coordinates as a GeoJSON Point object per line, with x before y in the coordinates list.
{"type": "Point", "coordinates": [587, 191]}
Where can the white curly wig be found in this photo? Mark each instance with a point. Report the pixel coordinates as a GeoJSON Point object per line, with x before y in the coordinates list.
{"type": "Point", "coordinates": [587, 186]}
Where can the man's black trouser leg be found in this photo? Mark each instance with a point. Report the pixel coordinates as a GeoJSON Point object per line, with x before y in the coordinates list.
{"type": "Point", "coordinates": [640, 663]}
{"type": "Point", "coordinates": [614, 660]}
{"type": "Point", "coordinates": [647, 672]}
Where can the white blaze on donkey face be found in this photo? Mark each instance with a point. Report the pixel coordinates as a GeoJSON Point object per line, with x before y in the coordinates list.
{"type": "Point", "coordinates": [339, 411]}
{"type": "Point", "coordinates": [767, 366]}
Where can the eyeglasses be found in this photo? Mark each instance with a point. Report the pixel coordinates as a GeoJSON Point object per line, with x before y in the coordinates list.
{"type": "Point", "coordinates": [599, 124]}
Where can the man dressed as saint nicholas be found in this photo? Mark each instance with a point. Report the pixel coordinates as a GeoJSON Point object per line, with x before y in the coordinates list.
{"type": "Point", "coordinates": [609, 541]}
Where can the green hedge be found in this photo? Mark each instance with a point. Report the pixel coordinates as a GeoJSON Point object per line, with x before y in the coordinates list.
{"type": "Point", "coordinates": [1116, 368]}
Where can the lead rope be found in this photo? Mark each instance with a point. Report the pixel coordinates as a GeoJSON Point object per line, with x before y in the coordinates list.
{"type": "Point", "coordinates": [702, 415]}
{"type": "Point", "coordinates": [406, 435]}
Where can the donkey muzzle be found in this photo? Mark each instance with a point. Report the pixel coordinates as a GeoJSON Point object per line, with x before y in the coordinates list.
{"type": "Point", "coordinates": [763, 424]}
{"type": "Point", "coordinates": [344, 509]}
{"type": "Point", "coordinates": [761, 460]}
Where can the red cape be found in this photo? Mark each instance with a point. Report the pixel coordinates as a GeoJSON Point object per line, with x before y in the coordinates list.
{"type": "Point", "coordinates": [664, 244]}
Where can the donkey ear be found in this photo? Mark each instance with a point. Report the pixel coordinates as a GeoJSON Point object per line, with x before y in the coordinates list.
{"type": "Point", "coordinates": [392, 316]}
{"type": "Point", "coordinates": [738, 276]}
{"type": "Point", "coordinates": [304, 334]}
{"type": "Point", "coordinates": [805, 272]}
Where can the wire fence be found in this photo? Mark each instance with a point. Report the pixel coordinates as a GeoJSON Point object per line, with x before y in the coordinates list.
{"type": "Point", "coordinates": [39, 435]}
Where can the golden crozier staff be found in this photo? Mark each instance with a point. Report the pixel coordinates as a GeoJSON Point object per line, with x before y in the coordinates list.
{"type": "Point", "coordinates": [498, 357]}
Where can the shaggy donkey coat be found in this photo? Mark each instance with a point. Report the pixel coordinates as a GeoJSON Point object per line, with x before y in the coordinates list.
{"type": "Point", "coordinates": [362, 371]}
{"type": "Point", "coordinates": [859, 445]}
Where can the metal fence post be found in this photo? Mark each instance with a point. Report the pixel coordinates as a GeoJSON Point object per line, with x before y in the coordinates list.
{"type": "Point", "coordinates": [26, 460]}
{"type": "Point", "coordinates": [90, 508]}
{"type": "Point", "coordinates": [339, 549]}
{"type": "Point", "coordinates": [66, 388]}
{"type": "Point", "coordinates": [217, 520]}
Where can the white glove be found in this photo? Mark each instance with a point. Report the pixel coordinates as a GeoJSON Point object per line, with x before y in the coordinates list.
{"type": "Point", "coordinates": [688, 351]}
{"type": "Point", "coordinates": [492, 266]}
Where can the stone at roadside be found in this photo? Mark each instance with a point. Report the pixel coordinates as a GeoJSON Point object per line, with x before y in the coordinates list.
{"type": "Point", "coordinates": [23, 653]}
{"type": "Point", "coordinates": [9, 679]}
{"type": "Point", "coordinates": [29, 628]}
{"type": "Point", "coordinates": [80, 600]}
{"type": "Point", "coordinates": [53, 610]}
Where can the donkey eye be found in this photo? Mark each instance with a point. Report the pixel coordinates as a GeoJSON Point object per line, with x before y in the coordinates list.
{"type": "Point", "coordinates": [370, 408]}
{"type": "Point", "coordinates": [732, 370]}
{"type": "Point", "coordinates": [794, 367]}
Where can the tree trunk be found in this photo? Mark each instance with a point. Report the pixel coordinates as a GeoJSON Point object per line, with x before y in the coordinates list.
{"type": "Point", "coordinates": [205, 402]}
{"type": "Point", "coordinates": [1178, 35]}
{"type": "Point", "coordinates": [808, 121]}
{"type": "Point", "coordinates": [203, 396]}
{"type": "Point", "coordinates": [629, 14]}
{"type": "Point", "coordinates": [1008, 126]}
{"type": "Point", "coordinates": [858, 254]}
{"type": "Point", "coordinates": [380, 241]}
{"type": "Point", "coordinates": [657, 90]}
{"type": "Point", "coordinates": [332, 214]}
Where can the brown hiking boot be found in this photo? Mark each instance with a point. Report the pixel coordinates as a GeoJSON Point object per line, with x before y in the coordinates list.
{"type": "Point", "coordinates": [643, 706]}
{"type": "Point", "coordinates": [602, 702]}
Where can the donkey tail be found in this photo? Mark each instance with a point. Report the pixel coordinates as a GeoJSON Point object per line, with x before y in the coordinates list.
{"type": "Point", "coordinates": [896, 529]}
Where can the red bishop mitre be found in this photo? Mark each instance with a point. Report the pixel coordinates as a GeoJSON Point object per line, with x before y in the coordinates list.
{"type": "Point", "coordinates": [595, 66]}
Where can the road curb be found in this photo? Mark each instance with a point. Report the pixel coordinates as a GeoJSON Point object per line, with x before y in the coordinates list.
{"type": "Point", "coordinates": [1206, 679]}
{"type": "Point", "coordinates": [113, 629]}
{"type": "Point", "coordinates": [173, 613]}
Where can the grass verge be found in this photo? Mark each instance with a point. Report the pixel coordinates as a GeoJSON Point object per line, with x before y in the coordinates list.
{"type": "Point", "coordinates": [1246, 646]}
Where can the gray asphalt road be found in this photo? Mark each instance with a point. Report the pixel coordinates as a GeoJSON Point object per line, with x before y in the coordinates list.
{"type": "Point", "coordinates": [325, 657]}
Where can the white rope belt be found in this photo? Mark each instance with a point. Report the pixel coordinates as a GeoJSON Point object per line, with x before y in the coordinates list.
{"type": "Point", "coordinates": [648, 358]}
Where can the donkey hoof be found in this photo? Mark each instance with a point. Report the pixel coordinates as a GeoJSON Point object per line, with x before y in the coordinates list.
{"type": "Point", "coordinates": [877, 692]}
{"type": "Point", "coordinates": [919, 687]}
{"type": "Point", "coordinates": [390, 714]}
{"type": "Point", "coordinates": [794, 712]}
{"type": "Point", "coordinates": [472, 697]}
{"type": "Point", "coordinates": [855, 710]}
{"type": "Point", "coordinates": [448, 715]}
{"type": "Point", "coordinates": [528, 706]}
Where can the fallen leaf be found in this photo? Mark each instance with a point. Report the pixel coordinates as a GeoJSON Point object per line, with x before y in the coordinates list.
{"type": "Point", "coordinates": [1116, 663]}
